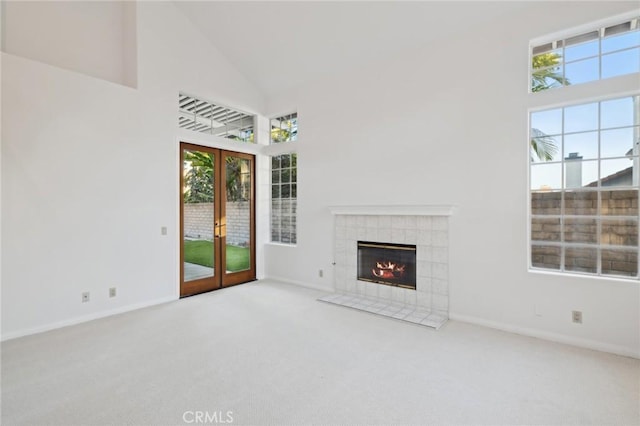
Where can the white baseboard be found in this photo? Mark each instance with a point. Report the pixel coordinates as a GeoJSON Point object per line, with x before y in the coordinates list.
{"type": "Point", "coordinates": [545, 335]}
{"type": "Point", "coordinates": [85, 318]}
{"type": "Point", "coordinates": [301, 284]}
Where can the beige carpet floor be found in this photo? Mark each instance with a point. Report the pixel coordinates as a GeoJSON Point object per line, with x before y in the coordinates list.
{"type": "Point", "coordinates": [269, 353]}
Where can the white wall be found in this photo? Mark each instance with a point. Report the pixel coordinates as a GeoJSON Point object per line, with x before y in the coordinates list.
{"type": "Point", "coordinates": [448, 125]}
{"type": "Point", "coordinates": [89, 37]}
{"type": "Point", "coordinates": [1, 68]}
{"type": "Point", "coordinates": [94, 165]}
{"type": "Point", "coordinates": [90, 172]}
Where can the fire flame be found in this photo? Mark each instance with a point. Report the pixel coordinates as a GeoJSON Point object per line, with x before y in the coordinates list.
{"type": "Point", "coordinates": [388, 269]}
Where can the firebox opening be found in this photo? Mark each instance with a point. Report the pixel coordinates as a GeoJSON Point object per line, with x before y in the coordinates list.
{"type": "Point", "coordinates": [387, 263]}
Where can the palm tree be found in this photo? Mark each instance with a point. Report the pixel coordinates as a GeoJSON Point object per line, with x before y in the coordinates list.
{"type": "Point", "coordinates": [542, 146]}
{"type": "Point", "coordinates": [545, 75]}
{"type": "Point", "coordinates": [199, 178]}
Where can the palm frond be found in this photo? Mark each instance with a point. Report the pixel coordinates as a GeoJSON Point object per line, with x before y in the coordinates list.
{"type": "Point", "coordinates": [544, 147]}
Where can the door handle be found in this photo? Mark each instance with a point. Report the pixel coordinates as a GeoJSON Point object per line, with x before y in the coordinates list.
{"type": "Point", "coordinates": [218, 230]}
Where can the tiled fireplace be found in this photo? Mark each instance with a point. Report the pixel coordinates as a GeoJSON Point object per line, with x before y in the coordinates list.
{"type": "Point", "coordinates": [424, 227]}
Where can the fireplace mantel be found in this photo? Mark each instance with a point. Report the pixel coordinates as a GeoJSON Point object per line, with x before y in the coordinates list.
{"type": "Point", "coordinates": [394, 210]}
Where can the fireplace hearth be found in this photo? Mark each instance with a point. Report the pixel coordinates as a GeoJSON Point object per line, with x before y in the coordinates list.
{"type": "Point", "coordinates": [387, 263]}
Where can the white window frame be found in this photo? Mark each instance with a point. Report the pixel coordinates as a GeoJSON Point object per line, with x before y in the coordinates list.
{"type": "Point", "coordinates": [565, 96]}
{"type": "Point", "coordinates": [285, 115]}
{"type": "Point", "coordinates": [293, 215]}
{"type": "Point", "coordinates": [564, 35]}
{"type": "Point", "coordinates": [206, 122]}
{"type": "Point", "coordinates": [273, 150]}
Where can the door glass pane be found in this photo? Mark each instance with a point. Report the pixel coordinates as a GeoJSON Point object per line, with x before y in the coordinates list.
{"type": "Point", "coordinates": [198, 216]}
{"type": "Point", "coordinates": [238, 214]}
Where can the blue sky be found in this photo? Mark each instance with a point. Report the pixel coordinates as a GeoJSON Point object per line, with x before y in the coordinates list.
{"type": "Point", "coordinates": [617, 123]}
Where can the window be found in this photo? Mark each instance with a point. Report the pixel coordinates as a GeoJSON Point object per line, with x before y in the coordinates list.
{"type": "Point", "coordinates": [284, 128]}
{"type": "Point", "coordinates": [584, 175]}
{"type": "Point", "coordinates": [584, 167]}
{"type": "Point", "coordinates": [601, 53]}
{"type": "Point", "coordinates": [284, 193]}
{"type": "Point", "coordinates": [284, 186]}
{"type": "Point", "coordinates": [206, 117]}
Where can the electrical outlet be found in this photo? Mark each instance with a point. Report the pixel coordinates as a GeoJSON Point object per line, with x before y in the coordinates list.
{"type": "Point", "coordinates": [536, 310]}
{"type": "Point", "coordinates": [320, 273]}
{"type": "Point", "coordinates": [576, 316]}
{"type": "Point", "coordinates": [163, 230]}
{"type": "Point", "coordinates": [85, 297]}
{"type": "Point", "coordinates": [112, 292]}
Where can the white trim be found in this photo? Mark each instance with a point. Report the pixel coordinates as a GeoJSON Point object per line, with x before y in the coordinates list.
{"type": "Point", "coordinates": [630, 80]}
{"type": "Point", "coordinates": [618, 279]}
{"type": "Point", "coordinates": [395, 210]}
{"type": "Point", "coordinates": [583, 92]}
{"type": "Point", "coordinates": [553, 337]}
{"type": "Point", "coordinates": [86, 318]}
{"type": "Point", "coordinates": [279, 244]}
{"type": "Point", "coordinates": [288, 147]}
{"type": "Point", "coordinates": [301, 284]}
{"type": "Point", "coordinates": [241, 110]}
{"type": "Point", "coordinates": [278, 115]}
{"type": "Point", "coordinates": [203, 139]}
{"type": "Point", "coordinates": [584, 28]}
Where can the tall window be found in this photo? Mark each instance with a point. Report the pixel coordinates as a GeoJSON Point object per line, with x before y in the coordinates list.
{"type": "Point", "coordinates": [584, 167]}
{"type": "Point", "coordinates": [604, 52]}
{"type": "Point", "coordinates": [284, 180]}
{"type": "Point", "coordinates": [584, 175]}
{"type": "Point", "coordinates": [284, 192]}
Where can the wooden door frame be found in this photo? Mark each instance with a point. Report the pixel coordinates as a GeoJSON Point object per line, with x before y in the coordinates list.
{"type": "Point", "coordinates": [221, 278]}
{"type": "Point", "coordinates": [203, 284]}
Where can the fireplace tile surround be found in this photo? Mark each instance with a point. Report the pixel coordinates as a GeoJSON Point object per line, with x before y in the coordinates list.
{"type": "Point", "coordinates": [425, 226]}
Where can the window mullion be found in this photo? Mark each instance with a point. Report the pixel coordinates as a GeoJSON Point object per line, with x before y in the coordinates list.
{"type": "Point", "coordinates": [563, 247]}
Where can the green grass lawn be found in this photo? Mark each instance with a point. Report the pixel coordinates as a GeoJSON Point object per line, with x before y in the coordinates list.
{"type": "Point", "coordinates": [200, 252]}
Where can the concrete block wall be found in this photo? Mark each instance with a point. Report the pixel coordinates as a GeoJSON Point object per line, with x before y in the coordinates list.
{"type": "Point", "coordinates": [284, 220]}
{"type": "Point", "coordinates": [238, 223]}
{"type": "Point", "coordinates": [622, 230]}
{"type": "Point", "coordinates": [198, 222]}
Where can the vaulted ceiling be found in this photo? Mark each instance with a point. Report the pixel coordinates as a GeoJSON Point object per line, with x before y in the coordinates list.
{"type": "Point", "coordinates": [280, 45]}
